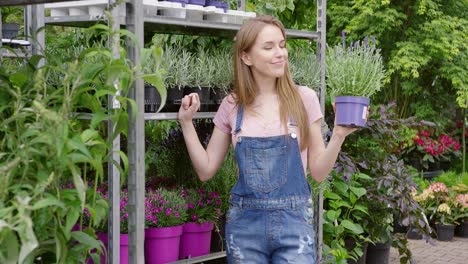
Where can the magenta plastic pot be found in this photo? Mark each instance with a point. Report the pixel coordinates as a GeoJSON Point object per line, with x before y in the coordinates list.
{"type": "Point", "coordinates": [351, 111]}
{"type": "Point", "coordinates": [162, 244]}
{"type": "Point", "coordinates": [195, 240]}
{"type": "Point", "coordinates": [123, 248]}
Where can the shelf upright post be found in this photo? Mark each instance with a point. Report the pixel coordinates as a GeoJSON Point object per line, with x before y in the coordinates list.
{"type": "Point", "coordinates": [114, 140]}
{"type": "Point", "coordinates": [321, 47]}
{"type": "Point", "coordinates": [136, 136]}
{"type": "Point", "coordinates": [241, 5]}
{"type": "Point", "coordinates": [1, 36]}
{"type": "Point", "coordinates": [37, 21]}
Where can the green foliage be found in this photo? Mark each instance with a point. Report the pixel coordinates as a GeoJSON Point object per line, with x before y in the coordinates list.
{"type": "Point", "coordinates": [43, 144]}
{"type": "Point", "coordinates": [423, 43]}
{"type": "Point", "coordinates": [346, 208]}
{"type": "Point", "coordinates": [12, 14]}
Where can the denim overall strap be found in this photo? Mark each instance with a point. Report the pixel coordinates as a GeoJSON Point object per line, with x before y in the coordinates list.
{"type": "Point", "coordinates": [240, 115]}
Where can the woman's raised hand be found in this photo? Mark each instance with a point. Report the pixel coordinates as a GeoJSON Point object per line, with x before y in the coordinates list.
{"type": "Point", "coordinates": [189, 106]}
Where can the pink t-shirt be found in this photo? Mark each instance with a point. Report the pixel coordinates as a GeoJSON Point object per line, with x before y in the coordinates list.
{"type": "Point", "coordinates": [252, 126]}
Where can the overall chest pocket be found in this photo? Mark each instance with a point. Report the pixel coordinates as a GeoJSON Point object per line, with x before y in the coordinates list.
{"type": "Point", "coordinates": [266, 168]}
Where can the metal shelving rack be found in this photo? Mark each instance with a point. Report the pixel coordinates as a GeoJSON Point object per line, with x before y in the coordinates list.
{"type": "Point", "coordinates": [136, 22]}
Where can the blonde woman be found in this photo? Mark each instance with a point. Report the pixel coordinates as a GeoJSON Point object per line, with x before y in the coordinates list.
{"type": "Point", "coordinates": [275, 129]}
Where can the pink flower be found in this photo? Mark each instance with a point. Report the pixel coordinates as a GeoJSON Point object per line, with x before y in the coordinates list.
{"type": "Point", "coordinates": [438, 187]}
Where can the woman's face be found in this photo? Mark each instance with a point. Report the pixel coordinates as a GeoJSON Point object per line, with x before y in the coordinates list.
{"type": "Point", "coordinates": [268, 56]}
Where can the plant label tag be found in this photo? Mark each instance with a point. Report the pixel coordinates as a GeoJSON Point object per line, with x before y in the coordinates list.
{"type": "Point", "coordinates": [115, 103]}
{"type": "Point", "coordinates": [364, 112]}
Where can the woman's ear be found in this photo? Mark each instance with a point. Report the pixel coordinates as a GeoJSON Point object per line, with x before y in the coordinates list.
{"type": "Point", "coordinates": [246, 58]}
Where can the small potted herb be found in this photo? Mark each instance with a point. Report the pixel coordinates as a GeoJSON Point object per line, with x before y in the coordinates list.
{"type": "Point", "coordinates": [354, 74]}
{"type": "Point", "coordinates": [10, 17]}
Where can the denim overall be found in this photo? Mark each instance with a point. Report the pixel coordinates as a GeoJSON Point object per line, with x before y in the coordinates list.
{"type": "Point", "coordinates": [270, 219]}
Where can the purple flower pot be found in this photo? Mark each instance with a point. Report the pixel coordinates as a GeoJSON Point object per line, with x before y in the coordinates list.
{"type": "Point", "coordinates": [351, 111]}
{"type": "Point", "coordinates": [218, 4]}
{"type": "Point", "coordinates": [162, 244]}
{"type": "Point", "coordinates": [195, 240]}
{"type": "Point", "coordinates": [197, 2]}
{"type": "Point", "coordinates": [183, 2]}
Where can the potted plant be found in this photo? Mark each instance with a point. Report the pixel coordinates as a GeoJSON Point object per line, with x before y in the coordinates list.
{"type": "Point", "coordinates": [197, 2]}
{"type": "Point", "coordinates": [222, 75]}
{"type": "Point", "coordinates": [223, 4]}
{"type": "Point", "coordinates": [177, 62]}
{"type": "Point", "coordinates": [345, 211]}
{"type": "Point", "coordinates": [10, 18]}
{"type": "Point", "coordinates": [353, 74]}
{"type": "Point", "coordinates": [165, 214]}
{"type": "Point", "coordinates": [201, 67]}
{"type": "Point", "coordinates": [461, 214]}
{"type": "Point", "coordinates": [153, 74]}
{"type": "Point", "coordinates": [304, 68]}
{"type": "Point", "coordinates": [428, 150]}
{"type": "Point", "coordinates": [203, 210]}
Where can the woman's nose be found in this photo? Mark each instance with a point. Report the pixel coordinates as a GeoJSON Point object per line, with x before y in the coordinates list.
{"type": "Point", "coordinates": [280, 52]}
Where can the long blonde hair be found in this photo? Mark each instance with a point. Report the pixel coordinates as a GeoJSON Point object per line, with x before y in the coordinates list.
{"type": "Point", "coordinates": [245, 91]}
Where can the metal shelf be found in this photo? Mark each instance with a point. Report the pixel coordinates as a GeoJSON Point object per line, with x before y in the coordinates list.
{"type": "Point", "coordinates": [162, 24]}
{"type": "Point", "coordinates": [83, 21]}
{"type": "Point", "coordinates": [216, 255]}
{"type": "Point", "coordinates": [15, 53]}
{"type": "Point", "coordinates": [173, 116]}
{"type": "Point", "coordinates": [29, 2]}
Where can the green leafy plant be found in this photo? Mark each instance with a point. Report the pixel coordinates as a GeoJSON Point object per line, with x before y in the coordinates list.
{"type": "Point", "coordinates": [43, 144]}
{"type": "Point", "coordinates": [356, 70]}
{"type": "Point", "coordinates": [153, 71]}
{"type": "Point", "coordinates": [345, 211]}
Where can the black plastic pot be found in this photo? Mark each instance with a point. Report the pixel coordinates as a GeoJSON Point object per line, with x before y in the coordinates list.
{"type": "Point", "coordinates": [445, 232]}
{"type": "Point", "coordinates": [10, 30]}
{"type": "Point", "coordinates": [413, 233]}
{"type": "Point", "coordinates": [378, 253]}
{"type": "Point", "coordinates": [350, 244]}
{"type": "Point", "coordinates": [152, 99]}
{"type": "Point", "coordinates": [462, 229]}
{"type": "Point", "coordinates": [203, 94]}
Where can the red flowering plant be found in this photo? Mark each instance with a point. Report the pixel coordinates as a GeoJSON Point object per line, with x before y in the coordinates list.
{"type": "Point", "coordinates": [164, 208]}
{"type": "Point", "coordinates": [202, 206]}
{"type": "Point", "coordinates": [429, 149]}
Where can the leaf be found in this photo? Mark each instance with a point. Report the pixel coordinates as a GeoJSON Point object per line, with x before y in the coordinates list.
{"type": "Point", "coordinates": [85, 239]}
{"type": "Point", "coordinates": [341, 187]}
{"type": "Point", "coordinates": [50, 201]}
{"type": "Point", "coordinates": [71, 220]}
{"type": "Point", "coordinates": [332, 196]}
{"type": "Point", "coordinates": [355, 228]}
{"type": "Point", "coordinates": [358, 191]}
{"type": "Point", "coordinates": [9, 247]}
{"type": "Point", "coordinates": [79, 184]}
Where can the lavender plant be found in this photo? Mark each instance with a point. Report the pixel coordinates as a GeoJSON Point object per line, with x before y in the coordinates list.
{"type": "Point", "coordinates": [356, 70]}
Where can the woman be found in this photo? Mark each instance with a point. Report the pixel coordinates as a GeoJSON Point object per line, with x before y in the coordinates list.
{"type": "Point", "coordinates": [275, 129]}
